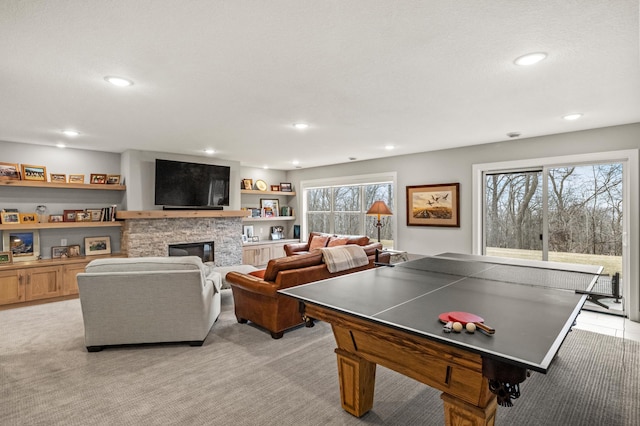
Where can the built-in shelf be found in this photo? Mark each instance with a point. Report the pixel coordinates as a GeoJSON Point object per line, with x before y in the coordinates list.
{"type": "Point", "coordinates": [267, 219]}
{"type": "Point", "coordinates": [166, 214]}
{"type": "Point", "coordinates": [58, 225]}
{"type": "Point", "coordinates": [38, 184]}
{"type": "Point", "coordinates": [257, 192]}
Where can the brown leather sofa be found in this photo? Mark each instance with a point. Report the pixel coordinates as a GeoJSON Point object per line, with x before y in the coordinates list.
{"type": "Point", "coordinates": [257, 299]}
{"type": "Point", "coordinates": [329, 240]}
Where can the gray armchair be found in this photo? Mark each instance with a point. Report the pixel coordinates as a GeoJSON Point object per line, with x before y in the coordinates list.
{"type": "Point", "coordinates": [148, 300]}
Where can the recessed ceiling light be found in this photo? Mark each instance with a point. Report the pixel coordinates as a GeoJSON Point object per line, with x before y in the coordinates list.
{"type": "Point", "coordinates": [573, 116]}
{"type": "Point", "coordinates": [71, 133]}
{"type": "Point", "coordinates": [530, 58]}
{"type": "Point", "coordinates": [209, 151]}
{"type": "Point", "coordinates": [265, 167]}
{"type": "Point", "coordinates": [61, 145]}
{"type": "Point", "coordinates": [301, 126]}
{"type": "Point", "coordinates": [119, 81]}
{"type": "Point", "coordinates": [295, 162]}
{"type": "Point", "coordinates": [389, 147]}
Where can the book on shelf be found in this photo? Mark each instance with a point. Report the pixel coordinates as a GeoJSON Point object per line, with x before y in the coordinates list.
{"type": "Point", "coordinates": [286, 211]}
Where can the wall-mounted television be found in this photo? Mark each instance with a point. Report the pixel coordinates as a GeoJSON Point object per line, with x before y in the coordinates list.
{"type": "Point", "coordinates": [185, 185]}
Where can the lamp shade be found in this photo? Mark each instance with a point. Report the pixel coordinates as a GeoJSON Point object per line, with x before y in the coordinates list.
{"type": "Point", "coordinates": [379, 208]}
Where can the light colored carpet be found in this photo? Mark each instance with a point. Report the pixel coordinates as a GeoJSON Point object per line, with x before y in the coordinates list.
{"type": "Point", "coordinates": [243, 377]}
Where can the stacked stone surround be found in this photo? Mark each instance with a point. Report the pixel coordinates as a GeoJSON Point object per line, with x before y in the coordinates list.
{"type": "Point", "coordinates": [151, 237]}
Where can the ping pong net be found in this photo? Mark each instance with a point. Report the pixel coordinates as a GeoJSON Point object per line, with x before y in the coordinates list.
{"type": "Point", "coordinates": [571, 277]}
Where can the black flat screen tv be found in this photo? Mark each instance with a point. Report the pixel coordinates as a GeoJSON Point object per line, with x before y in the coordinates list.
{"type": "Point", "coordinates": [191, 185]}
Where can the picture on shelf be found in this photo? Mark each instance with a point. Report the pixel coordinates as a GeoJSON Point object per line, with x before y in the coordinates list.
{"type": "Point", "coordinates": [275, 188]}
{"type": "Point", "coordinates": [98, 178]}
{"type": "Point", "coordinates": [37, 173]}
{"type": "Point", "coordinates": [5, 257]}
{"type": "Point", "coordinates": [76, 178]}
{"type": "Point", "coordinates": [113, 179]}
{"type": "Point", "coordinates": [9, 171]}
{"type": "Point", "coordinates": [285, 187]}
{"type": "Point", "coordinates": [58, 177]}
{"type": "Point", "coordinates": [247, 183]}
{"type": "Point", "coordinates": [96, 214]}
{"type": "Point", "coordinates": [73, 250]}
{"type": "Point", "coordinates": [70, 215]}
{"type": "Point", "coordinates": [56, 218]}
{"type": "Point", "coordinates": [247, 230]}
{"type": "Point", "coordinates": [10, 218]}
{"type": "Point", "coordinates": [97, 245]}
{"type": "Point", "coordinates": [28, 218]}
{"type": "Point", "coordinates": [270, 207]}
{"type": "Point", "coordinates": [24, 245]}
{"type": "Point", "coordinates": [58, 252]}
{"type": "Point", "coordinates": [83, 217]}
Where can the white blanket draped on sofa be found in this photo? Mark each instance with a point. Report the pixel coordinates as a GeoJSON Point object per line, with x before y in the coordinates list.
{"type": "Point", "coordinates": [341, 258]}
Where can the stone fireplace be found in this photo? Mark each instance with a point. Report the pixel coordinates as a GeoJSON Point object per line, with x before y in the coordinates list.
{"type": "Point", "coordinates": [151, 233]}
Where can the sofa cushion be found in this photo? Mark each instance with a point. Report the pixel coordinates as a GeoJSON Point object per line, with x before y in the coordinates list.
{"type": "Point", "coordinates": [318, 242]}
{"type": "Point", "coordinates": [291, 262]}
{"type": "Point", "coordinates": [337, 241]}
{"type": "Point", "coordinates": [259, 273]}
{"type": "Point", "coordinates": [131, 264]}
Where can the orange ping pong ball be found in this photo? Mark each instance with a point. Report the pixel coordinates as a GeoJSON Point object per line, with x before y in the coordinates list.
{"type": "Point", "coordinates": [457, 327]}
{"type": "Point", "coordinates": [471, 327]}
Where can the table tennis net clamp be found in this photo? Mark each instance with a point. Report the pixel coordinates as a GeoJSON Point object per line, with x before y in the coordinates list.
{"type": "Point", "coordinates": [504, 380]}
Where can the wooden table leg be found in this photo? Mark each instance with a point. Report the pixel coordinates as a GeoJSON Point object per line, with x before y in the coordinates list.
{"type": "Point", "coordinates": [357, 381]}
{"type": "Point", "coordinates": [457, 412]}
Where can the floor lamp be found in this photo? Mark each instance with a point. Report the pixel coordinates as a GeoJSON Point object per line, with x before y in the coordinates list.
{"type": "Point", "coordinates": [379, 208]}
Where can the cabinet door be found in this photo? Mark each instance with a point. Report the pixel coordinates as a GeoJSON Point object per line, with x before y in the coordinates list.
{"type": "Point", "coordinates": [70, 278]}
{"type": "Point", "coordinates": [277, 250]}
{"type": "Point", "coordinates": [44, 282]}
{"type": "Point", "coordinates": [11, 286]}
{"type": "Point", "coordinates": [256, 256]}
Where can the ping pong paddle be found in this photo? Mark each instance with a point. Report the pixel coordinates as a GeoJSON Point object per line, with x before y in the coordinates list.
{"type": "Point", "coordinates": [464, 318]}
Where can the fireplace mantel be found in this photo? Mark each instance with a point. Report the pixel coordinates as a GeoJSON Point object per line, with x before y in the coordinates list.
{"type": "Point", "coordinates": [170, 214]}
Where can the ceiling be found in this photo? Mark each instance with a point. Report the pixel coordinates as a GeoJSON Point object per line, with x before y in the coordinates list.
{"type": "Point", "coordinates": [235, 75]}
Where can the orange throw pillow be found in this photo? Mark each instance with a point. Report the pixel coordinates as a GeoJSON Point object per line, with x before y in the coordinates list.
{"type": "Point", "coordinates": [259, 273]}
{"type": "Point", "coordinates": [337, 241]}
{"type": "Point", "coordinates": [318, 242]}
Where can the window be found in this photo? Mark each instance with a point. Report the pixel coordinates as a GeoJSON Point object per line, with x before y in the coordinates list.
{"type": "Point", "coordinates": [340, 206]}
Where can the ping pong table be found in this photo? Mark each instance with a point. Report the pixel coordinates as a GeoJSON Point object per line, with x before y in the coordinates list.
{"type": "Point", "coordinates": [389, 316]}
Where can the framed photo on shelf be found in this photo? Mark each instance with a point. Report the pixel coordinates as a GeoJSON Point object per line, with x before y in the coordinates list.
{"type": "Point", "coordinates": [76, 178]}
{"type": "Point", "coordinates": [270, 207]}
{"type": "Point", "coordinates": [433, 205]}
{"type": "Point", "coordinates": [9, 218]}
{"type": "Point", "coordinates": [56, 218]}
{"type": "Point", "coordinates": [58, 177]}
{"type": "Point", "coordinates": [247, 183]}
{"type": "Point", "coordinates": [98, 178]}
{"type": "Point", "coordinates": [9, 171]}
{"type": "Point", "coordinates": [97, 245]}
{"type": "Point", "coordinates": [70, 215]}
{"type": "Point", "coordinates": [247, 230]}
{"type": "Point", "coordinates": [36, 173]}
{"type": "Point", "coordinates": [83, 216]}
{"type": "Point", "coordinates": [5, 258]}
{"type": "Point", "coordinates": [285, 187]}
{"type": "Point", "coordinates": [73, 250]}
{"type": "Point", "coordinates": [275, 188]}
{"type": "Point", "coordinates": [58, 252]}
{"type": "Point", "coordinates": [113, 179]}
{"type": "Point", "coordinates": [28, 218]}
{"type": "Point", "coordinates": [24, 245]}
{"type": "Point", "coordinates": [96, 214]}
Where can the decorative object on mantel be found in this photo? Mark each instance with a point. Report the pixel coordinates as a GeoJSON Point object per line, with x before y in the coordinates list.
{"type": "Point", "coordinates": [433, 205]}
{"type": "Point", "coordinates": [379, 208]}
{"type": "Point", "coordinates": [9, 171]}
{"type": "Point", "coordinates": [30, 172]}
{"type": "Point", "coordinates": [261, 185]}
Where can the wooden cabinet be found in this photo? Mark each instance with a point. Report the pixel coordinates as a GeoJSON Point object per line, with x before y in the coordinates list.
{"type": "Point", "coordinates": [70, 278]}
{"type": "Point", "coordinates": [43, 283]}
{"type": "Point", "coordinates": [259, 254]}
{"type": "Point", "coordinates": [11, 286]}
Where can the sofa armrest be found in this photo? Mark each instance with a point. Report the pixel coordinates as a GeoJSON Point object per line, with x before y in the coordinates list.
{"type": "Point", "coordinates": [291, 248]}
{"type": "Point", "coordinates": [252, 284]}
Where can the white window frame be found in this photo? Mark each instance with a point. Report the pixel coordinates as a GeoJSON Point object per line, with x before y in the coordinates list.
{"type": "Point", "coordinates": [368, 179]}
{"type": "Point", "coordinates": [631, 227]}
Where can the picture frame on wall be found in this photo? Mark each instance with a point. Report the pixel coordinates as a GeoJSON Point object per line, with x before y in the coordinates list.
{"type": "Point", "coordinates": [9, 171]}
{"type": "Point", "coordinates": [24, 245]}
{"type": "Point", "coordinates": [433, 205]}
{"type": "Point", "coordinates": [34, 173]}
{"type": "Point", "coordinates": [97, 245]}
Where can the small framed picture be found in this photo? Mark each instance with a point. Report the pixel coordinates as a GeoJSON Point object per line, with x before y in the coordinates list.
{"type": "Point", "coordinates": [58, 252]}
{"type": "Point", "coordinates": [96, 214]}
{"type": "Point", "coordinates": [73, 250]}
{"type": "Point", "coordinates": [70, 215]}
{"type": "Point", "coordinates": [285, 187]}
{"type": "Point", "coordinates": [255, 239]}
{"type": "Point", "coordinates": [98, 178]}
{"type": "Point", "coordinates": [113, 179]}
{"type": "Point", "coordinates": [270, 207]}
{"type": "Point", "coordinates": [10, 218]}
{"type": "Point", "coordinates": [56, 218]}
{"type": "Point", "coordinates": [247, 183]}
{"type": "Point", "coordinates": [83, 217]}
{"type": "Point", "coordinates": [58, 177]}
{"type": "Point", "coordinates": [97, 245]}
{"type": "Point", "coordinates": [76, 178]}
{"type": "Point", "coordinates": [275, 188]}
{"type": "Point", "coordinates": [9, 171]}
{"type": "Point", "coordinates": [5, 257]}
{"type": "Point", "coordinates": [37, 173]}
{"type": "Point", "coordinates": [24, 245]}
{"type": "Point", "coordinates": [28, 218]}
